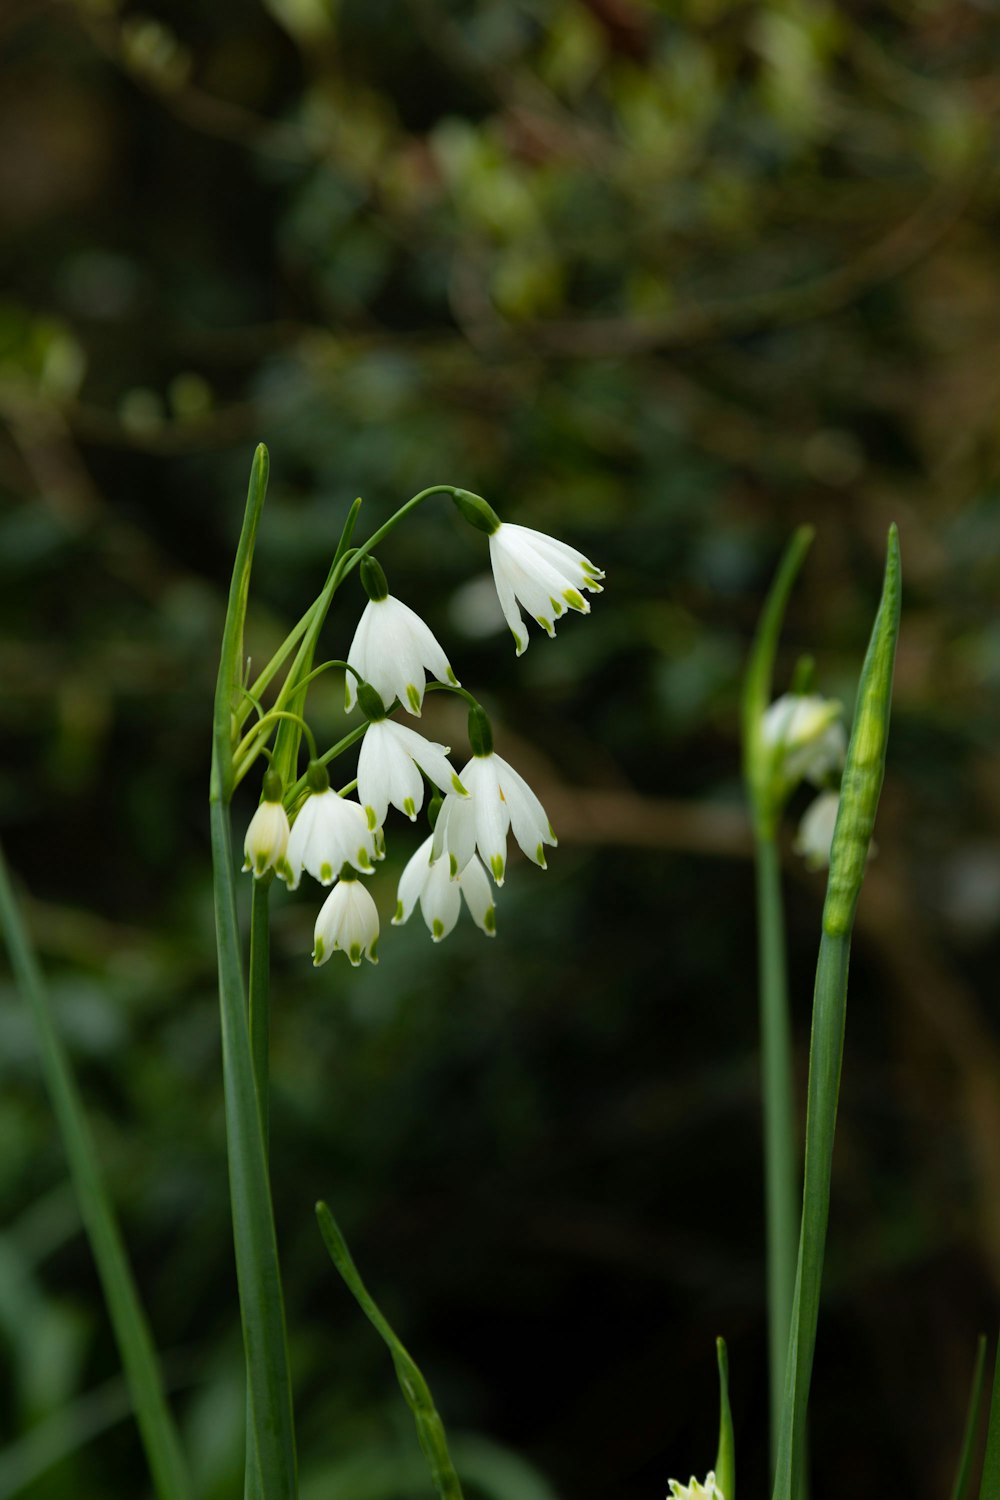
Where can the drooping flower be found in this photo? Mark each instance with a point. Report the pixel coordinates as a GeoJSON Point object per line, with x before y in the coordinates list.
{"type": "Point", "coordinates": [499, 801]}
{"type": "Point", "coordinates": [695, 1491]}
{"type": "Point", "coordinates": [544, 575]}
{"type": "Point", "coordinates": [392, 647]}
{"type": "Point", "coordinates": [430, 882]}
{"type": "Point", "coordinates": [806, 734]}
{"type": "Point", "coordinates": [267, 836]}
{"type": "Point", "coordinates": [347, 922]}
{"type": "Point", "coordinates": [815, 836]}
{"type": "Point", "coordinates": [328, 832]}
{"type": "Point", "coordinates": [389, 760]}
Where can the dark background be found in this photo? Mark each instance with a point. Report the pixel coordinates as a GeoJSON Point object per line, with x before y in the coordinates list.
{"type": "Point", "coordinates": [666, 282]}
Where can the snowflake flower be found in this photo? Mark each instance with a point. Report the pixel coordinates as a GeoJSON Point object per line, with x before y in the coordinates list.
{"type": "Point", "coordinates": [695, 1491]}
{"type": "Point", "coordinates": [542, 574]}
{"type": "Point", "coordinates": [392, 646]}
{"type": "Point", "coordinates": [347, 922]}
{"type": "Point", "coordinates": [430, 882]}
{"type": "Point", "coordinates": [330, 831]}
{"type": "Point", "coordinates": [806, 731]}
{"type": "Point", "coordinates": [267, 836]}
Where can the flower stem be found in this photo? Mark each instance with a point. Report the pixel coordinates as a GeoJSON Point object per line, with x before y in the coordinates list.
{"type": "Point", "coordinates": [781, 1187]}
{"type": "Point", "coordinates": [860, 789]}
{"type": "Point", "coordinates": [258, 1274]}
{"type": "Point", "coordinates": [135, 1345]}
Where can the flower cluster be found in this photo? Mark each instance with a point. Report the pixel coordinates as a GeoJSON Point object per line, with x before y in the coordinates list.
{"type": "Point", "coordinates": [805, 737]}
{"type": "Point", "coordinates": [337, 839]}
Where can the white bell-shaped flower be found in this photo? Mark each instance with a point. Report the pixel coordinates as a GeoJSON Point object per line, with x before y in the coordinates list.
{"type": "Point", "coordinates": [430, 882]}
{"type": "Point", "coordinates": [806, 731]}
{"type": "Point", "coordinates": [267, 836]}
{"type": "Point", "coordinates": [347, 922]}
{"type": "Point", "coordinates": [499, 801]}
{"type": "Point", "coordinates": [329, 831]}
{"type": "Point", "coordinates": [390, 763]}
{"type": "Point", "coordinates": [392, 647]}
{"type": "Point", "coordinates": [815, 836]}
{"type": "Point", "coordinates": [696, 1491]}
{"type": "Point", "coordinates": [544, 575]}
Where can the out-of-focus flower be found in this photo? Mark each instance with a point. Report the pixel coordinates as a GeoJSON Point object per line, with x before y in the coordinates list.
{"type": "Point", "coordinates": [815, 836]}
{"type": "Point", "coordinates": [806, 735]}
{"type": "Point", "coordinates": [430, 882]}
{"type": "Point", "coordinates": [347, 922]}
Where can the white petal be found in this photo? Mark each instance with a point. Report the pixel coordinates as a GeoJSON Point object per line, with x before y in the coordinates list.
{"type": "Point", "coordinates": [412, 881]}
{"type": "Point", "coordinates": [528, 820]}
{"type": "Point", "coordinates": [474, 884]}
{"type": "Point", "coordinates": [440, 902]}
{"type": "Point", "coordinates": [374, 772]}
{"type": "Point", "coordinates": [507, 597]}
{"type": "Point", "coordinates": [455, 832]}
{"type": "Point", "coordinates": [492, 815]}
{"type": "Point", "coordinates": [431, 757]}
{"type": "Point", "coordinates": [357, 658]}
{"type": "Point", "coordinates": [266, 842]}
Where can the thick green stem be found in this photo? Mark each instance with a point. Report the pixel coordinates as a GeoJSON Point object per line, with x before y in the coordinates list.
{"type": "Point", "coordinates": [781, 1185]}
{"type": "Point", "coordinates": [257, 1270]}
{"type": "Point", "coordinates": [259, 1012]}
{"type": "Point", "coordinates": [135, 1345]}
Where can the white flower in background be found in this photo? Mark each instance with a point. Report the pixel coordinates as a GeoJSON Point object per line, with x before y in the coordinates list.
{"type": "Point", "coordinates": [330, 831]}
{"type": "Point", "coordinates": [807, 730]}
{"type": "Point", "coordinates": [430, 882]}
{"type": "Point", "coordinates": [392, 646]}
{"type": "Point", "coordinates": [267, 836]}
{"type": "Point", "coordinates": [388, 769]}
{"type": "Point", "coordinates": [347, 922]}
{"type": "Point", "coordinates": [815, 835]}
{"type": "Point", "coordinates": [499, 801]}
{"type": "Point", "coordinates": [544, 575]}
{"type": "Point", "coordinates": [695, 1491]}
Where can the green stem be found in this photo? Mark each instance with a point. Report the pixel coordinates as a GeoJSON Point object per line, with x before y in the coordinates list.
{"type": "Point", "coordinates": [967, 1451]}
{"type": "Point", "coordinates": [259, 1011]}
{"type": "Point", "coordinates": [989, 1486]}
{"type": "Point", "coordinates": [261, 1299]}
{"type": "Point", "coordinates": [781, 1186]}
{"type": "Point", "coordinates": [825, 1061]}
{"type": "Point", "coordinates": [352, 561]}
{"type": "Point", "coordinates": [859, 797]}
{"type": "Point", "coordinates": [135, 1345]}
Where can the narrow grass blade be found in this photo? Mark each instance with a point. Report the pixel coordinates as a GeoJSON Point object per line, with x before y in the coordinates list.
{"type": "Point", "coordinates": [725, 1459]}
{"type": "Point", "coordinates": [989, 1487]}
{"type": "Point", "coordinates": [135, 1345]}
{"type": "Point", "coordinates": [966, 1453]}
{"type": "Point", "coordinates": [227, 698]}
{"type": "Point", "coordinates": [781, 1156]}
{"type": "Point", "coordinates": [860, 789]}
{"type": "Point", "coordinates": [430, 1428]}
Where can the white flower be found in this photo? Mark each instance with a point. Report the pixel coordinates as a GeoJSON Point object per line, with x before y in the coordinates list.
{"type": "Point", "coordinates": [815, 835]}
{"type": "Point", "coordinates": [266, 840]}
{"type": "Point", "coordinates": [541, 573]}
{"type": "Point", "coordinates": [430, 882]}
{"type": "Point", "coordinates": [499, 800]}
{"type": "Point", "coordinates": [347, 923]}
{"type": "Point", "coordinates": [807, 731]}
{"type": "Point", "coordinates": [387, 770]}
{"type": "Point", "coordinates": [329, 832]}
{"type": "Point", "coordinates": [391, 648]}
{"type": "Point", "coordinates": [695, 1491]}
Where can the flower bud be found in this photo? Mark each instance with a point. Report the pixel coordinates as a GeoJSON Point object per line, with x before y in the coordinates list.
{"type": "Point", "coordinates": [476, 511]}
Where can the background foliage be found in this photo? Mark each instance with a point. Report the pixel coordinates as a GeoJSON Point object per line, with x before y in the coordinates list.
{"type": "Point", "coordinates": [666, 281]}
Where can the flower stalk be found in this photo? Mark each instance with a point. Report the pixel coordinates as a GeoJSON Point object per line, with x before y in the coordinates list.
{"type": "Point", "coordinates": [781, 1175]}
{"type": "Point", "coordinates": [861, 786]}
